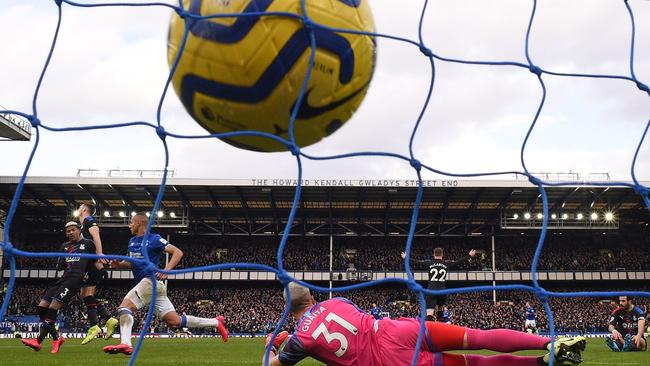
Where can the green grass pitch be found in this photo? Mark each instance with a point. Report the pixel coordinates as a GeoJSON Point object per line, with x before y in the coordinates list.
{"type": "Point", "coordinates": [238, 351]}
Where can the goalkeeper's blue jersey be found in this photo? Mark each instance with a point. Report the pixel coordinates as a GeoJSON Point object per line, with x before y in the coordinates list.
{"type": "Point", "coordinates": [155, 246]}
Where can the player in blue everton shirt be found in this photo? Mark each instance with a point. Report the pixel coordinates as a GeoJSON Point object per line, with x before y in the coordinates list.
{"type": "Point", "coordinates": [141, 295]}
{"type": "Point", "coordinates": [530, 325]}
{"type": "Point", "coordinates": [446, 315]}
{"type": "Point", "coordinates": [375, 311]}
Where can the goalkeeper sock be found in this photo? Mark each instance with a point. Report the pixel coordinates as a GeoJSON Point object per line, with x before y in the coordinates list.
{"type": "Point", "coordinates": [126, 324]}
{"type": "Point", "coordinates": [504, 340]}
{"type": "Point", "coordinates": [189, 321]}
{"type": "Point", "coordinates": [91, 309]}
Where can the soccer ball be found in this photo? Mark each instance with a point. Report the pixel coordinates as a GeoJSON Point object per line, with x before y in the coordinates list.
{"type": "Point", "coordinates": [246, 73]}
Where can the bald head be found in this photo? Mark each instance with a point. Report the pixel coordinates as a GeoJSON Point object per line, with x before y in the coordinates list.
{"type": "Point", "coordinates": [300, 297]}
{"type": "Point", "coordinates": [138, 224]}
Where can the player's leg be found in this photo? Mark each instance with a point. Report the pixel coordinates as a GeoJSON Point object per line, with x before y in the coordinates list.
{"type": "Point", "coordinates": [50, 320]}
{"type": "Point", "coordinates": [41, 308]}
{"type": "Point", "coordinates": [165, 310]}
{"type": "Point", "coordinates": [88, 296]}
{"type": "Point", "coordinates": [137, 298]}
{"type": "Point", "coordinates": [95, 277]}
{"type": "Point", "coordinates": [445, 359]}
{"type": "Point", "coordinates": [95, 310]}
{"type": "Point", "coordinates": [447, 337]}
{"type": "Point", "coordinates": [129, 305]}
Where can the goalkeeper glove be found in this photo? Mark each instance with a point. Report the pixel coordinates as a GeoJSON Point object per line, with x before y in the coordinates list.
{"type": "Point", "coordinates": [277, 343]}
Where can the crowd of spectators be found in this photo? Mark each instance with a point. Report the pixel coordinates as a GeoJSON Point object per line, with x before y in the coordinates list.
{"type": "Point", "coordinates": [383, 253]}
{"type": "Point", "coordinates": [256, 308]}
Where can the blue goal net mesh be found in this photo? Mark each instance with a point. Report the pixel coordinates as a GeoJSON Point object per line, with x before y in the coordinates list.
{"type": "Point", "coordinates": [537, 72]}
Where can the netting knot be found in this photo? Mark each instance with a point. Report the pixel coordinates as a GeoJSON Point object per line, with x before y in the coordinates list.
{"type": "Point", "coordinates": [58, 2]}
{"type": "Point", "coordinates": [7, 247]}
{"type": "Point", "coordinates": [284, 278]}
{"type": "Point", "coordinates": [534, 180]}
{"type": "Point", "coordinates": [295, 150]}
{"type": "Point", "coordinates": [415, 287]}
{"type": "Point", "coordinates": [642, 87]}
{"type": "Point", "coordinates": [415, 163]}
{"type": "Point", "coordinates": [160, 131]}
{"type": "Point", "coordinates": [542, 295]}
{"type": "Point", "coordinates": [427, 52]}
{"type": "Point", "coordinates": [308, 23]}
{"type": "Point", "coordinates": [535, 70]}
{"type": "Point", "coordinates": [34, 121]}
{"type": "Point", "coordinates": [641, 189]}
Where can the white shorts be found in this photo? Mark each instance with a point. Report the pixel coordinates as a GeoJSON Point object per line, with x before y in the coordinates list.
{"type": "Point", "coordinates": [530, 324]}
{"type": "Point", "coordinates": [140, 296]}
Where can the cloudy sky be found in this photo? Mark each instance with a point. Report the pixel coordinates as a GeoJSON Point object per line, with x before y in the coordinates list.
{"type": "Point", "coordinates": [110, 66]}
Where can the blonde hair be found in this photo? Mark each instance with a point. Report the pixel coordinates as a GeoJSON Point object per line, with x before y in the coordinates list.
{"type": "Point", "coordinates": [300, 297]}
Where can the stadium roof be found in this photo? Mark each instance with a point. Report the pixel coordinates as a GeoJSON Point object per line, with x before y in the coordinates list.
{"type": "Point", "coordinates": [339, 206]}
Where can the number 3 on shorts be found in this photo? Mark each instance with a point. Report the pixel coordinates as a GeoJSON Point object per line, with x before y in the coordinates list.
{"type": "Point", "coordinates": [329, 337]}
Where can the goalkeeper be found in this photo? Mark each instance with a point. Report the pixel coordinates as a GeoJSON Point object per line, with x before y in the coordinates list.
{"type": "Point", "coordinates": [338, 333]}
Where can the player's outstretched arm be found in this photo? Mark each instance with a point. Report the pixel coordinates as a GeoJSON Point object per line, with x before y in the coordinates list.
{"type": "Point", "coordinates": [115, 264]}
{"type": "Point", "coordinates": [176, 254]}
{"type": "Point", "coordinates": [94, 233]}
{"type": "Point", "coordinates": [615, 333]}
{"type": "Point", "coordinates": [274, 360]}
{"type": "Point", "coordinates": [638, 338]}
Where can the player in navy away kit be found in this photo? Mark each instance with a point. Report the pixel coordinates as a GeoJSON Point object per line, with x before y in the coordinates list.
{"type": "Point", "coordinates": [438, 269]}
{"type": "Point", "coordinates": [96, 273]}
{"type": "Point", "coordinates": [530, 322]}
{"type": "Point", "coordinates": [141, 295]}
{"type": "Point", "coordinates": [627, 324]}
{"type": "Point", "coordinates": [74, 270]}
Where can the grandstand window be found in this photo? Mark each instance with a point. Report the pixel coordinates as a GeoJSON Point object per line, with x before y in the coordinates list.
{"type": "Point", "coordinates": [258, 204]}
{"type": "Point", "coordinates": [401, 205]}
{"type": "Point", "coordinates": [373, 204]}
{"type": "Point", "coordinates": [459, 205]}
{"type": "Point", "coordinates": [201, 203]}
{"type": "Point", "coordinates": [172, 204]}
{"type": "Point", "coordinates": [58, 203]}
{"type": "Point", "coordinates": [316, 204]}
{"type": "Point", "coordinates": [482, 205]}
{"type": "Point", "coordinates": [345, 204]}
{"type": "Point", "coordinates": [431, 205]}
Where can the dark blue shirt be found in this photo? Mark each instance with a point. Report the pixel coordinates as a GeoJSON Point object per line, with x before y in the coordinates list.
{"type": "Point", "coordinates": [376, 313]}
{"type": "Point", "coordinates": [627, 322]}
{"type": "Point", "coordinates": [446, 316]}
{"type": "Point", "coordinates": [530, 313]}
{"type": "Point", "coordinates": [155, 246]}
{"type": "Point", "coordinates": [87, 223]}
